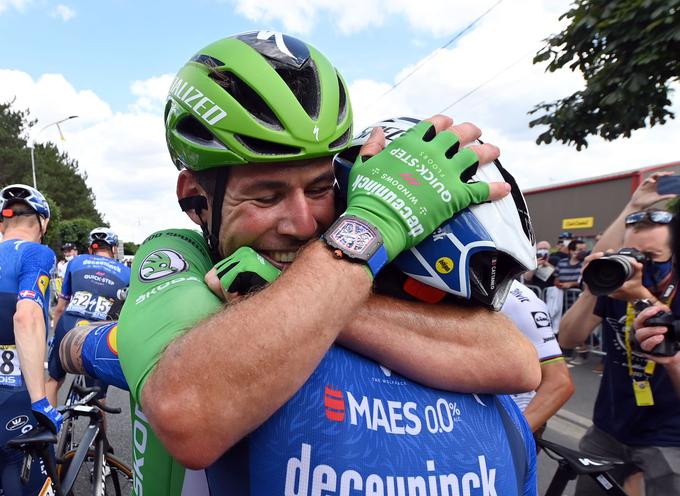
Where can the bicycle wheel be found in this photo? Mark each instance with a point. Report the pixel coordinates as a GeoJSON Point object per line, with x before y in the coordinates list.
{"type": "Point", "coordinates": [117, 475]}
{"type": "Point", "coordinates": [67, 440]}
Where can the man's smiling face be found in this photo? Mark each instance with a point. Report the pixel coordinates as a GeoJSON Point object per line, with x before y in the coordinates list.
{"type": "Point", "coordinates": [276, 208]}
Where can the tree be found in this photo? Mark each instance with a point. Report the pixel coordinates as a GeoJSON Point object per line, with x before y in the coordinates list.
{"type": "Point", "coordinates": [52, 235]}
{"type": "Point", "coordinates": [77, 231]}
{"type": "Point", "coordinates": [130, 248]}
{"type": "Point", "coordinates": [627, 51]}
{"type": "Point", "coordinates": [71, 200]}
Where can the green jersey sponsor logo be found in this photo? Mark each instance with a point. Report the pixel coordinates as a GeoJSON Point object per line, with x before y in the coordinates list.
{"type": "Point", "coordinates": [161, 263]}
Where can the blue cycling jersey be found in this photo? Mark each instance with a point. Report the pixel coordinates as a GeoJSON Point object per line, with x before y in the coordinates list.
{"type": "Point", "coordinates": [358, 428]}
{"type": "Point", "coordinates": [92, 284]}
{"type": "Point", "coordinates": [25, 269]}
{"type": "Point", "coordinates": [100, 355]}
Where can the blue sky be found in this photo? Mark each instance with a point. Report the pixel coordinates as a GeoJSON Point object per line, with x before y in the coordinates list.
{"type": "Point", "coordinates": [111, 63]}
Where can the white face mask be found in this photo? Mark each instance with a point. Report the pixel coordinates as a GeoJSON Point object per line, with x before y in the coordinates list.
{"type": "Point", "coordinates": [68, 258]}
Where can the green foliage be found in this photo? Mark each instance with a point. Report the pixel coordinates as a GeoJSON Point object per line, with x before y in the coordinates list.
{"type": "Point", "coordinates": [130, 247]}
{"type": "Point", "coordinates": [72, 202]}
{"type": "Point", "coordinates": [627, 51]}
{"type": "Point", "coordinates": [674, 205]}
{"type": "Point", "coordinates": [15, 158]}
{"type": "Point", "coordinates": [52, 236]}
{"type": "Point", "coordinates": [77, 231]}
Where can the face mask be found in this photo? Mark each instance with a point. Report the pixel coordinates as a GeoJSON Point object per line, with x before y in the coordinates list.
{"type": "Point", "coordinates": [68, 258]}
{"type": "Point", "coordinates": [655, 272]}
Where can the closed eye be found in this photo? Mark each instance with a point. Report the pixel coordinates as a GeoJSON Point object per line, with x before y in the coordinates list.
{"type": "Point", "coordinates": [268, 200]}
{"type": "Point", "coordinates": [319, 191]}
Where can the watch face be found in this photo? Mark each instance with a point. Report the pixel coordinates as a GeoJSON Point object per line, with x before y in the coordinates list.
{"type": "Point", "coordinates": [354, 237]}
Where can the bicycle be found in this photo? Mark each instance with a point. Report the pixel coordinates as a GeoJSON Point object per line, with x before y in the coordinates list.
{"type": "Point", "coordinates": [108, 475]}
{"type": "Point", "coordinates": [571, 463]}
{"type": "Point", "coordinates": [66, 441]}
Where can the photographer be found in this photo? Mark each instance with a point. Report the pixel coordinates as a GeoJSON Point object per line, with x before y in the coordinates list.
{"type": "Point", "coordinates": [650, 336]}
{"type": "Point", "coordinates": [637, 413]}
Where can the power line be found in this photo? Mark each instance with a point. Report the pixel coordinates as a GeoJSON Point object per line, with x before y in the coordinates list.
{"type": "Point", "coordinates": [436, 52]}
{"type": "Point", "coordinates": [487, 81]}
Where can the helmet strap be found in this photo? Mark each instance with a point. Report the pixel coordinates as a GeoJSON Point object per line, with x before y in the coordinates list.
{"type": "Point", "coordinates": [27, 214]}
{"type": "Point", "coordinates": [199, 203]}
{"type": "Point", "coordinates": [218, 199]}
{"type": "Point", "coordinates": [42, 233]}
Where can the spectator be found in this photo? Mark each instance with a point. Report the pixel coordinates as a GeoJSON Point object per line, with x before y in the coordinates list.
{"type": "Point", "coordinates": [543, 276]}
{"type": "Point", "coordinates": [562, 245]}
{"type": "Point", "coordinates": [568, 270]}
{"type": "Point", "coordinates": [70, 252]}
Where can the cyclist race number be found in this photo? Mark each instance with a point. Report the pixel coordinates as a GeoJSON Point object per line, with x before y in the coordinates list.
{"type": "Point", "coordinates": [84, 302]}
{"type": "Point", "coordinates": [10, 371]}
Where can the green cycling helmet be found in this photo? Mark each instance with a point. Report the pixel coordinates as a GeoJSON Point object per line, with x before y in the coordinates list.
{"type": "Point", "coordinates": [260, 96]}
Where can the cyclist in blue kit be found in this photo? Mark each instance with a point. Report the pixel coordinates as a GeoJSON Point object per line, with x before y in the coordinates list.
{"type": "Point", "coordinates": [25, 268]}
{"type": "Point", "coordinates": [94, 288]}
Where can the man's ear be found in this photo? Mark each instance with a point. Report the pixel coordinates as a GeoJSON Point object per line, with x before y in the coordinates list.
{"type": "Point", "coordinates": [187, 186]}
{"type": "Point", "coordinates": [43, 224]}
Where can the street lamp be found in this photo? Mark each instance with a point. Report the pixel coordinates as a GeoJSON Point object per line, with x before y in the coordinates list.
{"type": "Point", "coordinates": [32, 147]}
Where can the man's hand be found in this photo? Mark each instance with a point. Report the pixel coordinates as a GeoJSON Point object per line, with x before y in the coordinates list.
{"type": "Point", "coordinates": [543, 262]}
{"type": "Point", "coordinates": [46, 415]}
{"type": "Point", "coordinates": [418, 181]}
{"type": "Point", "coordinates": [239, 274]}
{"type": "Point", "coordinates": [566, 285]}
{"type": "Point", "coordinates": [633, 289]}
{"type": "Point", "coordinates": [645, 195]}
{"type": "Point", "coordinates": [650, 337]}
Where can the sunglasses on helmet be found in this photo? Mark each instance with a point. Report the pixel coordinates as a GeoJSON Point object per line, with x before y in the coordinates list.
{"type": "Point", "coordinates": [654, 216]}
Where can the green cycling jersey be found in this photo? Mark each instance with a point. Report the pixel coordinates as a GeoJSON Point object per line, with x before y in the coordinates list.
{"type": "Point", "coordinates": [167, 296]}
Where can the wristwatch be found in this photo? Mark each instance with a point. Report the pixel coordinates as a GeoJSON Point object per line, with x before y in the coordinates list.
{"type": "Point", "coordinates": [357, 240]}
{"type": "Point", "coordinates": [640, 304]}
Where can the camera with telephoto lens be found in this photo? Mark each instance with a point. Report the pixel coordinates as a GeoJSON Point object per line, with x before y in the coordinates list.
{"type": "Point", "coordinates": [607, 274]}
{"type": "Point", "coordinates": [671, 338]}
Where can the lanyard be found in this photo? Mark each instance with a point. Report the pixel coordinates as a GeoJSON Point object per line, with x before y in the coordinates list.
{"type": "Point", "coordinates": [650, 365]}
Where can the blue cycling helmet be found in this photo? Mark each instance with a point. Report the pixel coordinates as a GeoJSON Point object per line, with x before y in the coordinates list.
{"type": "Point", "coordinates": [24, 194]}
{"type": "Point", "coordinates": [102, 235]}
{"type": "Point", "coordinates": [474, 255]}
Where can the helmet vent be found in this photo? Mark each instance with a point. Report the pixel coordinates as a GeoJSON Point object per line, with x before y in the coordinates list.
{"type": "Point", "coordinates": [208, 60]}
{"type": "Point", "coordinates": [304, 84]}
{"type": "Point", "coordinates": [247, 98]}
{"type": "Point", "coordinates": [192, 129]}
{"type": "Point", "coordinates": [342, 110]}
{"type": "Point", "coordinates": [342, 141]}
{"type": "Point", "coordinates": [263, 147]}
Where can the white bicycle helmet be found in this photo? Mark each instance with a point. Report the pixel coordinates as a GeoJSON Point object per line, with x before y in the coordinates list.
{"type": "Point", "coordinates": [25, 194]}
{"type": "Point", "coordinates": [102, 235]}
{"type": "Point", "coordinates": [475, 254]}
